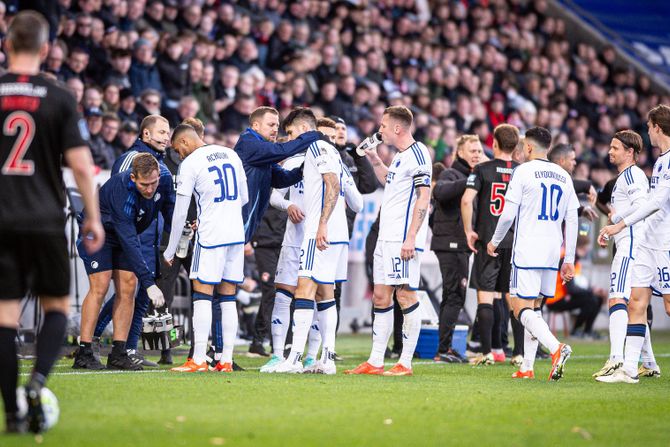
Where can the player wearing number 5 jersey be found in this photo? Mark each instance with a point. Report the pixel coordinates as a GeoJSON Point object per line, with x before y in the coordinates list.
{"type": "Point", "coordinates": [487, 185]}
{"type": "Point", "coordinates": [540, 196]}
{"type": "Point", "coordinates": [215, 175]}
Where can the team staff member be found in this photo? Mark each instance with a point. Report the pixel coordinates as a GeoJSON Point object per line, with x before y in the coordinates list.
{"type": "Point", "coordinates": [449, 243]}
{"type": "Point", "coordinates": [153, 139]}
{"type": "Point", "coordinates": [260, 153]}
{"type": "Point", "coordinates": [33, 249]}
{"type": "Point", "coordinates": [128, 207]}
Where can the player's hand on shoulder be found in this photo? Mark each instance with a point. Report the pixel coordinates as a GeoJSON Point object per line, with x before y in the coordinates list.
{"type": "Point", "coordinates": [94, 235]}
{"type": "Point", "coordinates": [472, 237]}
{"type": "Point", "coordinates": [491, 250]}
{"type": "Point", "coordinates": [295, 214]}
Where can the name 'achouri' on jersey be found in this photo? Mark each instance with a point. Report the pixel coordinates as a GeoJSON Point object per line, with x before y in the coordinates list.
{"type": "Point", "coordinates": [407, 167]}
{"type": "Point", "coordinates": [295, 233]}
{"type": "Point", "coordinates": [321, 158]}
{"type": "Point", "coordinates": [631, 185]}
{"type": "Point", "coordinates": [215, 175]}
{"type": "Point", "coordinates": [656, 232]}
{"type": "Point", "coordinates": [544, 193]}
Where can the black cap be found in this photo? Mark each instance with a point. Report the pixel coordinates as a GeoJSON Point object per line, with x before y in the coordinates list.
{"type": "Point", "coordinates": [125, 93]}
{"type": "Point", "coordinates": [92, 111]}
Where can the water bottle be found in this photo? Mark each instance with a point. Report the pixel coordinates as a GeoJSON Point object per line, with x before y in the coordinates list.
{"type": "Point", "coordinates": [182, 246]}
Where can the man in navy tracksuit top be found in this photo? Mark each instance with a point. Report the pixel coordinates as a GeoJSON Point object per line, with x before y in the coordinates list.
{"type": "Point", "coordinates": [154, 135]}
{"type": "Point", "coordinates": [260, 155]}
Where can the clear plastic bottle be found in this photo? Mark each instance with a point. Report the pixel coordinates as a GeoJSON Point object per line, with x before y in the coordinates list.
{"type": "Point", "coordinates": [182, 246]}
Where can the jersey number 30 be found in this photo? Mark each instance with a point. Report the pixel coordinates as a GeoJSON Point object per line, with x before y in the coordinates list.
{"type": "Point", "coordinates": [227, 180]}
{"type": "Point", "coordinates": [551, 197]}
{"type": "Point", "coordinates": [21, 125]}
{"type": "Point", "coordinates": [497, 198]}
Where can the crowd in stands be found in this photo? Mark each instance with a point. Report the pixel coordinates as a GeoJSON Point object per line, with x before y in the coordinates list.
{"type": "Point", "coordinates": [461, 66]}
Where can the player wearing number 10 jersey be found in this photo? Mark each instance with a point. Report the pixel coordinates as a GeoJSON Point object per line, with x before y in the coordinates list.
{"type": "Point", "coordinates": [215, 175]}
{"type": "Point", "coordinates": [540, 196]}
{"type": "Point", "coordinates": [486, 188]}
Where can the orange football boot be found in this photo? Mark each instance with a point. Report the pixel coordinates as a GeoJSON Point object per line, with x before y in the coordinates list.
{"type": "Point", "coordinates": [190, 367]}
{"type": "Point", "coordinates": [366, 368]}
{"type": "Point", "coordinates": [223, 367]}
{"type": "Point", "coordinates": [398, 370]}
{"type": "Point", "coordinates": [523, 374]}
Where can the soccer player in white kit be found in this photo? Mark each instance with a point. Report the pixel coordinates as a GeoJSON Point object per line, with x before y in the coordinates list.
{"type": "Point", "coordinates": [540, 197]}
{"type": "Point", "coordinates": [403, 229]}
{"type": "Point", "coordinates": [324, 250]}
{"type": "Point", "coordinates": [651, 268]}
{"type": "Point", "coordinates": [216, 176]}
{"type": "Point", "coordinates": [629, 192]}
{"type": "Point", "coordinates": [288, 265]}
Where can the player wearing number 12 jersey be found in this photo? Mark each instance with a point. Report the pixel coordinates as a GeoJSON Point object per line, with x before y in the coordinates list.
{"type": "Point", "coordinates": [487, 185]}
{"type": "Point", "coordinates": [215, 175]}
{"type": "Point", "coordinates": [540, 196]}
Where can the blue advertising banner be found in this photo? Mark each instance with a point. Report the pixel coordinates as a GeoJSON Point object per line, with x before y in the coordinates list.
{"type": "Point", "coordinates": [639, 28]}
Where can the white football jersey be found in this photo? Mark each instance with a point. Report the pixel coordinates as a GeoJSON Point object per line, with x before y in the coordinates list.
{"type": "Point", "coordinates": [295, 233]}
{"type": "Point", "coordinates": [407, 167]}
{"type": "Point", "coordinates": [656, 231]}
{"type": "Point", "coordinates": [631, 185]}
{"type": "Point", "coordinates": [544, 193]}
{"type": "Point", "coordinates": [322, 158]}
{"type": "Point", "coordinates": [215, 175]}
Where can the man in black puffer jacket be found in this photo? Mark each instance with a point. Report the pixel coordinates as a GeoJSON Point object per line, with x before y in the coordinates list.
{"type": "Point", "coordinates": [449, 243]}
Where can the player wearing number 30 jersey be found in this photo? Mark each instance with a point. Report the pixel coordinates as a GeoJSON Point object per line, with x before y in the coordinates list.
{"type": "Point", "coordinates": [540, 197]}
{"type": "Point", "coordinates": [215, 175]}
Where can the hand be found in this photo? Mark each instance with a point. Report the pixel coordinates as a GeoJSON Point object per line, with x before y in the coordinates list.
{"type": "Point", "coordinates": [589, 213]}
{"type": "Point", "coordinates": [408, 249]}
{"type": "Point", "coordinates": [93, 235]}
{"type": "Point", "coordinates": [156, 296]}
{"type": "Point", "coordinates": [194, 225]}
{"type": "Point", "coordinates": [472, 237]}
{"type": "Point", "coordinates": [603, 240]}
{"type": "Point", "coordinates": [295, 214]}
{"type": "Point", "coordinates": [567, 272]}
{"type": "Point", "coordinates": [592, 196]}
{"type": "Point", "coordinates": [491, 250]}
{"type": "Point", "coordinates": [168, 261]}
{"type": "Point", "coordinates": [611, 230]}
{"type": "Point", "coordinates": [248, 249]}
{"type": "Point", "coordinates": [322, 237]}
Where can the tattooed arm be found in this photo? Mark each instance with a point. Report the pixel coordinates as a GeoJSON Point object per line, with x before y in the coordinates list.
{"type": "Point", "coordinates": [418, 215]}
{"type": "Point", "coordinates": [330, 196]}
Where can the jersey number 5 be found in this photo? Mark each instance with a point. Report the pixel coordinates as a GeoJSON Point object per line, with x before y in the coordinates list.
{"type": "Point", "coordinates": [21, 124]}
{"type": "Point", "coordinates": [227, 180]}
{"type": "Point", "coordinates": [497, 198]}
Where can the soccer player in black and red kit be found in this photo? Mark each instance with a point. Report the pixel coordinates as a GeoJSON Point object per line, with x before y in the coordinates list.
{"type": "Point", "coordinates": [40, 128]}
{"type": "Point", "coordinates": [487, 185]}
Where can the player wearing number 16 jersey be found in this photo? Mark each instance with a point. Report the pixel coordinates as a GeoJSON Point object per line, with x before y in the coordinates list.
{"type": "Point", "coordinates": [487, 185]}
{"type": "Point", "coordinates": [215, 175]}
{"type": "Point", "coordinates": [540, 196]}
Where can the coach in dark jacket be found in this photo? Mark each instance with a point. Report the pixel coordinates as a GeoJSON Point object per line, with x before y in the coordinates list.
{"type": "Point", "coordinates": [450, 246]}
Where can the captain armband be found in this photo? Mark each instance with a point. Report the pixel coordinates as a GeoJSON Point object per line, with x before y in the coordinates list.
{"type": "Point", "coordinates": [421, 180]}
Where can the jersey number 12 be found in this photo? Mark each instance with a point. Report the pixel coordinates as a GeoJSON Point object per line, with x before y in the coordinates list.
{"type": "Point", "coordinates": [551, 197]}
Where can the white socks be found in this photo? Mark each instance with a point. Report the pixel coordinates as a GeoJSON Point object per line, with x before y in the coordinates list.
{"type": "Point", "coordinates": [647, 356]}
{"type": "Point", "coordinates": [230, 323]}
{"type": "Point", "coordinates": [281, 318]}
{"type": "Point", "coordinates": [381, 331]}
{"type": "Point", "coordinates": [202, 323]}
{"type": "Point", "coordinates": [618, 325]}
{"type": "Point", "coordinates": [314, 337]}
{"type": "Point", "coordinates": [635, 336]}
{"type": "Point", "coordinates": [302, 319]}
{"type": "Point", "coordinates": [538, 328]}
{"type": "Point", "coordinates": [410, 334]}
{"type": "Point", "coordinates": [327, 315]}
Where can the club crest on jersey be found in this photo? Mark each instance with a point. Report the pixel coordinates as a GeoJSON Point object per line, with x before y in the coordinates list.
{"type": "Point", "coordinates": [94, 264]}
{"type": "Point", "coordinates": [157, 197]}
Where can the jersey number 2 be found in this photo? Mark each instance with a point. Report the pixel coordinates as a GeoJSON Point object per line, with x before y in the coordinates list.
{"type": "Point", "coordinates": [227, 180]}
{"type": "Point", "coordinates": [21, 124]}
{"type": "Point", "coordinates": [497, 198]}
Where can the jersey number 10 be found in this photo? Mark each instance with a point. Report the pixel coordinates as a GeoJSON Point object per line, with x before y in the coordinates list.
{"type": "Point", "coordinates": [551, 197]}
{"type": "Point", "coordinates": [227, 180]}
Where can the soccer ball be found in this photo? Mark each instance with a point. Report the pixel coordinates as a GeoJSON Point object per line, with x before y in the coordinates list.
{"type": "Point", "coordinates": [49, 405]}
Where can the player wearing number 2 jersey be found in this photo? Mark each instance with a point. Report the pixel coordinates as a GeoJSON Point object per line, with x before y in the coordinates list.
{"type": "Point", "coordinates": [488, 184]}
{"type": "Point", "coordinates": [215, 175]}
{"type": "Point", "coordinates": [540, 196]}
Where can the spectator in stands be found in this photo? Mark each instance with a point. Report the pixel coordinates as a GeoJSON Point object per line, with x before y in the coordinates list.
{"type": "Point", "coordinates": [55, 59]}
{"type": "Point", "coordinates": [110, 97]}
{"type": "Point", "coordinates": [150, 103]}
{"type": "Point", "coordinates": [236, 116]}
{"type": "Point", "coordinates": [128, 106]}
{"type": "Point", "coordinates": [172, 67]}
{"type": "Point", "coordinates": [128, 134]}
{"type": "Point", "coordinates": [76, 65]}
{"type": "Point", "coordinates": [143, 73]}
{"type": "Point", "coordinates": [92, 97]}
{"type": "Point", "coordinates": [121, 61]}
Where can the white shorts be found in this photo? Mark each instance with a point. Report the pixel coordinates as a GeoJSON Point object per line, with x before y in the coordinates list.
{"type": "Point", "coordinates": [531, 284]}
{"type": "Point", "coordinates": [651, 269]}
{"type": "Point", "coordinates": [324, 267]}
{"type": "Point", "coordinates": [288, 266]}
{"type": "Point", "coordinates": [620, 275]}
{"type": "Point", "coordinates": [213, 265]}
{"type": "Point", "coordinates": [391, 270]}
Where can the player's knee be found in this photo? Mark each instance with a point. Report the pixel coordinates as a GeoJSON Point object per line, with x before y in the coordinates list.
{"type": "Point", "coordinates": [406, 297]}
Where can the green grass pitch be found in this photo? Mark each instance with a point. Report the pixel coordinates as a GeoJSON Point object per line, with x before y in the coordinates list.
{"type": "Point", "coordinates": [440, 405]}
